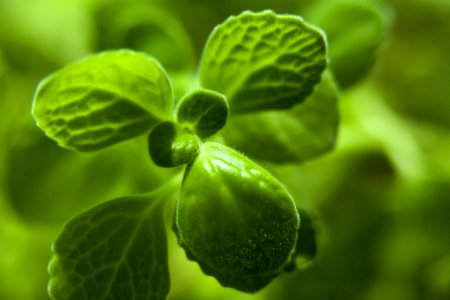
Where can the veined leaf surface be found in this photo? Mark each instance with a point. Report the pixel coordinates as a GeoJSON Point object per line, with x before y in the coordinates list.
{"type": "Point", "coordinates": [117, 250]}
{"type": "Point", "coordinates": [289, 136]}
{"type": "Point", "coordinates": [263, 61]}
{"type": "Point", "coordinates": [103, 99]}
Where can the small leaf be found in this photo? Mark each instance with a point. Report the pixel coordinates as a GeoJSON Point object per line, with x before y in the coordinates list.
{"type": "Point", "coordinates": [117, 250]}
{"type": "Point", "coordinates": [170, 146]}
{"type": "Point", "coordinates": [235, 219]}
{"type": "Point", "coordinates": [303, 132]}
{"type": "Point", "coordinates": [103, 99]}
{"type": "Point", "coordinates": [355, 30]}
{"type": "Point", "coordinates": [203, 112]}
{"type": "Point", "coordinates": [262, 61]}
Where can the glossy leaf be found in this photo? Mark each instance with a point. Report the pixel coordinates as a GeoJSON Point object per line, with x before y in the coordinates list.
{"type": "Point", "coordinates": [303, 132]}
{"type": "Point", "coordinates": [170, 146]}
{"type": "Point", "coordinates": [235, 219]}
{"type": "Point", "coordinates": [203, 111]}
{"type": "Point", "coordinates": [103, 99]}
{"type": "Point", "coordinates": [263, 61]}
{"type": "Point", "coordinates": [117, 250]}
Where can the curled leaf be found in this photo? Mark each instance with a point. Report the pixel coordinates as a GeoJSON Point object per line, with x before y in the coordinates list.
{"type": "Point", "coordinates": [170, 146]}
{"type": "Point", "coordinates": [203, 111]}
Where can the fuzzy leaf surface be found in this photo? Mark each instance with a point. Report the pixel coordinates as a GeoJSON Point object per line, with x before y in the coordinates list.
{"type": "Point", "coordinates": [289, 136]}
{"type": "Point", "coordinates": [235, 219]}
{"type": "Point", "coordinates": [117, 250]}
{"type": "Point", "coordinates": [103, 99]}
{"type": "Point", "coordinates": [263, 61]}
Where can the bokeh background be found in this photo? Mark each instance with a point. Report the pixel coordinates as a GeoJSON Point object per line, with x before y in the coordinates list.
{"type": "Point", "coordinates": [381, 199]}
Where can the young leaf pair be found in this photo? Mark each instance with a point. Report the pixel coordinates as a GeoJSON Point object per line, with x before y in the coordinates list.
{"type": "Point", "coordinates": [200, 114]}
{"type": "Point", "coordinates": [232, 217]}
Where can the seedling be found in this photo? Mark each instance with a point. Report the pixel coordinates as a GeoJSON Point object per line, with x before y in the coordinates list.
{"type": "Point", "coordinates": [261, 91]}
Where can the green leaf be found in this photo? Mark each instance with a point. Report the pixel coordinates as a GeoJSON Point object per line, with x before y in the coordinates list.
{"type": "Point", "coordinates": [355, 29]}
{"type": "Point", "coordinates": [303, 132]}
{"type": "Point", "coordinates": [149, 28]}
{"type": "Point", "coordinates": [235, 219]}
{"type": "Point", "coordinates": [170, 146]}
{"type": "Point", "coordinates": [3, 66]}
{"type": "Point", "coordinates": [103, 99]}
{"type": "Point", "coordinates": [203, 111]}
{"type": "Point", "coordinates": [117, 250]}
{"type": "Point", "coordinates": [306, 247]}
{"type": "Point", "coordinates": [262, 61]}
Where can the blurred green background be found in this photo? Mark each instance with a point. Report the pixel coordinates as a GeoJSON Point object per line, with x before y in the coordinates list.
{"type": "Point", "coordinates": [381, 199]}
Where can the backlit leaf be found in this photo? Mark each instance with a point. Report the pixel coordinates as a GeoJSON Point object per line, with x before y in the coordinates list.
{"type": "Point", "coordinates": [262, 61]}
{"type": "Point", "coordinates": [117, 250]}
{"type": "Point", "coordinates": [303, 132]}
{"type": "Point", "coordinates": [103, 99]}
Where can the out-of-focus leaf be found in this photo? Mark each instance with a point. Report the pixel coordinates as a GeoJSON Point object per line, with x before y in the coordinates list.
{"type": "Point", "coordinates": [262, 61]}
{"type": "Point", "coordinates": [2, 65]}
{"type": "Point", "coordinates": [35, 25]}
{"type": "Point", "coordinates": [47, 184]}
{"type": "Point", "coordinates": [203, 111]}
{"type": "Point", "coordinates": [306, 246]}
{"type": "Point", "coordinates": [117, 250]}
{"type": "Point", "coordinates": [147, 28]}
{"type": "Point", "coordinates": [355, 30]}
{"type": "Point", "coordinates": [303, 132]}
{"type": "Point", "coordinates": [103, 99]}
{"type": "Point", "coordinates": [23, 254]}
{"type": "Point", "coordinates": [235, 219]}
{"type": "Point", "coordinates": [436, 279]}
{"type": "Point", "coordinates": [415, 72]}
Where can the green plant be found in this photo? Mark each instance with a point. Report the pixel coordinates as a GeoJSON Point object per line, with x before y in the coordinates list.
{"type": "Point", "coordinates": [263, 89]}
